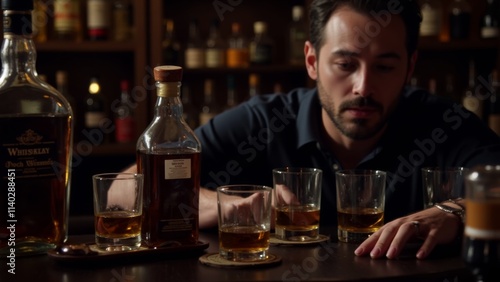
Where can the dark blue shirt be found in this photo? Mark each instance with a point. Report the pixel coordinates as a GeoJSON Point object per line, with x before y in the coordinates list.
{"type": "Point", "coordinates": [244, 144]}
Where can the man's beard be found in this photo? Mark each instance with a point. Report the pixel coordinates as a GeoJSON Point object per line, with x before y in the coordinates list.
{"type": "Point", "coordinates": [358, 128]}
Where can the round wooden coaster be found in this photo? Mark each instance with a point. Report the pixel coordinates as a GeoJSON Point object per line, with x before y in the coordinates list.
{"type": "Point", "coordinates": [215, 260]}
{"type": "Point", "coordinates": [277, 241]}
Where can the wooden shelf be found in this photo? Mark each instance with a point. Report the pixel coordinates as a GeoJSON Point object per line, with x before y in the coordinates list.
{"type": "Point", "coordinates": [430, 44]}
{"type": "Point", "coordinates": [110, 149]}
{"type": "Point", "coordinates": [86, 46]}
{"type": "Point", "coordinates": [259, 69]}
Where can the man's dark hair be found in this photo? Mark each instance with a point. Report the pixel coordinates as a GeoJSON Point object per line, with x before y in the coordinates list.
{"type": "Point", "coordinates": [321, 10]}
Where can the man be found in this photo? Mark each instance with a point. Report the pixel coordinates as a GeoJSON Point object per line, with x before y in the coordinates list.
{"type": "Point", "coordinates": [361, 54]}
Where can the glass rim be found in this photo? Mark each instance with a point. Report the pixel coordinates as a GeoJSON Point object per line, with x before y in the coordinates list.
{"type": "Point", "coordinates": [302, 170]}
{"type": "Point", "coordinates": [117, 176]}
{"type": "Point", "coordinates": [243, 188]}
{"type": "Point", "coordinates": [361, 172]}
{"type": "Point", "coordinates": [444, 169]}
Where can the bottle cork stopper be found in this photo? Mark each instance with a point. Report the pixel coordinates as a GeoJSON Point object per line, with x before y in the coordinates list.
{"type": "Point", "coordinates": [168, 73]}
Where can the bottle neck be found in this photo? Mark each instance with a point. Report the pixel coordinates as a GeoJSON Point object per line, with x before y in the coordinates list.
{"type": "Point", "coordinates": [168, 103]}
{"type": "Point", "coordinates": [18, 50]}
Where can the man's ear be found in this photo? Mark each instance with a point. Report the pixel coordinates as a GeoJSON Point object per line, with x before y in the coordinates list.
{"type": "Point", "coordinates": [411, 66]}
{"type": "Point", "coordinates": [311, 60]}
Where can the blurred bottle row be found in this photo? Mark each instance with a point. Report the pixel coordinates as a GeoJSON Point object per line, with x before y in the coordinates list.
{"type": "Point", "coordinates": [454, 21]}
{"type": "Point", "coordinates": [238, 50]}
{"type": "Point", "coordinates": [481, 95]}
{"type": "Point", "coordinates": [79, 20]}
{"type": "Point", "coordinates": [98, 112]}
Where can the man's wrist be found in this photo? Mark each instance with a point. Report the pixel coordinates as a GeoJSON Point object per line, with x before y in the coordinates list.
{"type": "Point", "coordinates": [452, 206]}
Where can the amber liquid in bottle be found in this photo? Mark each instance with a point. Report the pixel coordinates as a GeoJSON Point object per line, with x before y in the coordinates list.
{"type": "Point", "coordinates": [168, 154]}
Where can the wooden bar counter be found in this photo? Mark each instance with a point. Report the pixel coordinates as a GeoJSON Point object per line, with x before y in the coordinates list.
{"type": "Point", "coordinates": [326, 261]}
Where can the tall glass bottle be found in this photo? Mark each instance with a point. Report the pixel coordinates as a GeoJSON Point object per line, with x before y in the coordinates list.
{"type": "Point", "coordinates": [237, 51]}
{"type": "Point", "coordinates": [216, 48]}
{"type": "Point", "coordinates": [124, 116]}
{"type": "Point", "coordinates": [170, 46]}
{"type": "Point", "coordinates": [168, 154]}
{"type": "Point", "coordinates": [36, 125]}
{"type": "Point", "coordinates": [95, 111]}
{"type": "Point", "coordinates": [195, 48]}
{"type": "Point", "coordinates": [98, 19]}
{"type": "Point", "coordinates": [261, 47]}
{"type": "Point", "coordinates": [459, 18]}
{"type": "Point", "coordinates": [67, 20]}
{"type": "Point", "coordinates": [490, 22]}
{"type": "Point", "coordinates": [471, 100]}
{"type": "Point", "coordinates": [431, 18]}
{"type": "Point", "coordinates": [297, 36]}
{"type": "Point", "coordinates": [122, 24]}
{"type": "Point", "coordinates": [209, 108]}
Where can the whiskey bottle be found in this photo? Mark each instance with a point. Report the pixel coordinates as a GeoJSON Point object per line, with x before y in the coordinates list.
{"type": "Point", "coordinates": [253, 85]}
{"type": "Point", "coordinates": [195, 50]}
{"type": "Point", "coordinates": [36, 125]}
{"type": "Point", "coordinates": [298, 36]}
{"type": "Point", "coordinates": [40, 21]}
{"type": "Point", "coordinates": [124, 116]}
{"type": "Point", "coordinates": [98, 19]}
{"type": "Point", "coordinates": [209, 108]}
{"type": "Point", "coordinates": [231, 99]}
{"type": "Point", "coordinates": [431, 18]}
{"type": "Point", "coordinates": [261, 47]}
{"type": "Point", "coordinates": [95, 111]}
{"type": "Point", "coordinates": [490, 23]}
{"type": "Point", "coordinates": [168, 154]}
{"type": "Point", "coordinates": [215, 49]}
{"type": "Point", "coordinates": [237, 51]}
{"type": "Point", "coordinates": [170, 46]}
{"type": "Point", "coordinates": [67, 20]}
{"type": "Point", "coordinates": [471, 100]}
{"type": "Point", "coordinates": [459, 18]}
{"type": "Point", "coordinates": [122, 24]}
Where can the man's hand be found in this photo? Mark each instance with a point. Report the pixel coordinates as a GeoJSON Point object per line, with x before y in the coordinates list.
{"type": "Point", "coordinates": [432, 225]}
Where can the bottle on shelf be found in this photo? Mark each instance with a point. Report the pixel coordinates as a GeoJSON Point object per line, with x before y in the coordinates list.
{"type": "Point", "coordinates": [190, 113]}
{"type": "Point", "coordinates": [253, 85]}
{"type": "Point", "coordinates": [209, 108]}
{"type": "Point", "coordinates": [67, 20]}
{"type": "Point", "coordinates": [459, 19]}
{"type": "Point", "coordinates": [231, 99]}
{"type": "Point", "coordinates": [215, 51]}
{"type": "Point", "coordinates": [62, 87]}
{"type": "Point", "coordinates": [36, 143]}
{"type": "Point", "coordinates": [297, 36]}
{"type": "Point", "coordinates": [168, 154]}
{"type": "Point", "coordinates": [450, 88]}
{"type": "Point", "coordinates": [122, 20]}
{"type": "Point", "coordinates": [195, 48]}
{"type": "Point", "coordinates": [237, 51]}
{"type": "Point", "coordinates": [261, 46]}
{"type": "Point", "coordinates": [470, 100]}
{"type": "Point", "coordinates": [490, 22]}
{"type": "Point", "coordinates": [95, 112]}
{"type": "Point", "coordinates": [170, 46]}
{"type": "Point", "coordinates": [98, 19]}
{"type": "Point", "coordinates": [431, 18]}
{"type": "Point", "coordinates": [432, 86]}
{"type": "Point", "coordinates": [494, 115]}
{"type": "Point", "coordinates": [40, 21]}
{"type": "Point", "coordinates": [124, 116]}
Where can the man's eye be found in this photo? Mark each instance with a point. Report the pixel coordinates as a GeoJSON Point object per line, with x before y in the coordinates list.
{"type": "Point", "coordinates": [345, 66]}
{"type": "Point", "coordinates": [385, 68]}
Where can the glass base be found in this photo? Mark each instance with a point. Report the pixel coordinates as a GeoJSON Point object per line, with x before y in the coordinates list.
{"type": "Point", "coordinates": [352, 237]}
{"type": "Point", "coordinates": [117, 244]}
{"type": "Point", "coordinates": [296, 235]}
{"type": "Point", "coordinates": [244, 255]}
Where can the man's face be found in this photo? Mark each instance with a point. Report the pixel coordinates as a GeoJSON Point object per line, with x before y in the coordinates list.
{"type": "Point", "coordinates": [361, 70]}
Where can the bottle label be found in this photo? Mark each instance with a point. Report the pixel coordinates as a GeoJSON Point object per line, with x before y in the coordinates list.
{"type": "Point", "coordinates": [195, 58]}
{"type": "Point", "coordinates": [93, 119]}
{"type": "Point", "coordinates": [490, 32]}
{"type": "Point", "coordinates": [214, 58]}
{"type": "Point", "coordinates": [431, 21]}
{"type": "Point", "coordinates": [260, 53]}
{"type": "Point", "coordinates": [237, 57]}
{"type": "Point", "coordinates": [17, 24]}
{"type": "Point", "coordinates": [66, 15]}
{"type": "Point", "coordinates": [31, 145]}
{"type": "Point", "coordinates": [178, 169]}
{"type": "Point", "coordinates": [98, 14]}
